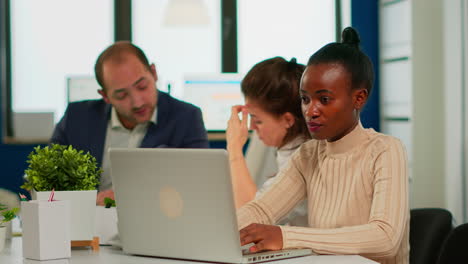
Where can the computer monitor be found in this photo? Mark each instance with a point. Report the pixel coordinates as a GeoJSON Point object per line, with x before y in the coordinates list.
{"type": "Point", "coordinates": [214, 94]}
{"type": "Point", "coordinates": [82, 88]}
{"type": "Point", "coordinates": [33, 125]}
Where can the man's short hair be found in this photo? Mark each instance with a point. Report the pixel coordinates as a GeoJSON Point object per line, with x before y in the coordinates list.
{"type": "Point", "coordinates": [117, 52]}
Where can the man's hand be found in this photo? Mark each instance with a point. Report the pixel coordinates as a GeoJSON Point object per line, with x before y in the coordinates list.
{"type": "Point", "coordinates": [103, 194]}
{"type": "Point", "coordinates": [265, 237]}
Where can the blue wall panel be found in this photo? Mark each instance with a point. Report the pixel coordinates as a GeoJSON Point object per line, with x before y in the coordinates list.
{"type": "Point", "coordinates": [365, 19]}
{"type": "Point", "coordinates": [13, 163]}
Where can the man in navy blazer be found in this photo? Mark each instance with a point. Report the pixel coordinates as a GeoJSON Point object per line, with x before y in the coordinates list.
{"type": "Point", "coordinates": [131, 113]}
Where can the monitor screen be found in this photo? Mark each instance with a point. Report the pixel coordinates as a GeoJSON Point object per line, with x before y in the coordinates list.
{"type": "Point", "coordinates": [214, 94]}
{"type": "Point", "coordinates": [33, 125]}
{"type": "Point", "coordinates": [82, 88]}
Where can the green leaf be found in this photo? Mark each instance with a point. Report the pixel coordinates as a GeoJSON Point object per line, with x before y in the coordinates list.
{"type": "Point", "coordinates": [8, 215]}
{"type": "Point", "coordinates": [109, 202]}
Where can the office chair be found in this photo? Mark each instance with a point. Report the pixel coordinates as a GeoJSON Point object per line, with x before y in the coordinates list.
{"type": "Point", "coordinates": [429, 227]}
{"type": "Point", "coordinates": [455, 248]}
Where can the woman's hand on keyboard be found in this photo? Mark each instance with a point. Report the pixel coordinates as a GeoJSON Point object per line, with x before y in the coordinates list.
{"type": "Point", "coordinates": [265, 237]}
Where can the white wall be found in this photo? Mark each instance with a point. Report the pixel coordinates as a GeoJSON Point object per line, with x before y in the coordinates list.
{"type": "Point", "coordinates": [439, 134]}
{"type": "Point", "coordinates": [454, 116]}
{"type": "Point", "coordinates": [428, 87]}
{"type": "Point", "coordinates": [428, 104]}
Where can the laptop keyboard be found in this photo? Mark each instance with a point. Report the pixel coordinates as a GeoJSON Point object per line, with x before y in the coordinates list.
{"type": "Point", "coordinates": [245, 249]}
{"type": "Point", "coordinates": [266, 255]}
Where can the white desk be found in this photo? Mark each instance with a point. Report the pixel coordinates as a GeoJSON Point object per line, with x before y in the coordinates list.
{"type": "Point", "coordinates": [12, 254]}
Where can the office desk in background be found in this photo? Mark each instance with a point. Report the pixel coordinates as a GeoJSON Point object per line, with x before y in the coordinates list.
{"type": "Point", "coordinates": [12, 254]}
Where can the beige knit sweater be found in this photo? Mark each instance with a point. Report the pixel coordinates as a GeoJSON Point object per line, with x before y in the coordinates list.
{"type": "Point", "coordinates": [357, 195]}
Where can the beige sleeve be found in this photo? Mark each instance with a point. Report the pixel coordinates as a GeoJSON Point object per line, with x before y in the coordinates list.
{"type": "Point", "coordinates": [288, 189]}
{"type": "Point", "coordinates": [383, 234]}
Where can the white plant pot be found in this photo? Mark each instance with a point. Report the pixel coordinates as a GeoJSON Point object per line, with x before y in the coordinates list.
{"type": "Point", "coordinates": [8, 232]}
{"type": "Point", "coordinates": [83, 211]}
{"type": "Point", "coordinates": [106, 224]}
{"type": "Point", "coordinates": [2, 237]}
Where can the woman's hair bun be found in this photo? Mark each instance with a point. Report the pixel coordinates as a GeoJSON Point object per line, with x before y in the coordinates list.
{"type": "Point", "coordinates": [350, 37]}
{"type": "Point", "coordinates": [292, 64]}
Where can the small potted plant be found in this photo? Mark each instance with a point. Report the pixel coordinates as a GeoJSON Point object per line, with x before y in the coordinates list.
{"type": "Point", "coordinates": [73, 175]}
{"type": "Point", "coordinates": [7, 216]}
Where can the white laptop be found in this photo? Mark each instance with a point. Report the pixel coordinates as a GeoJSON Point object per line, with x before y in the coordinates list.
{"type": "Point", "coordinates": [178, 203]}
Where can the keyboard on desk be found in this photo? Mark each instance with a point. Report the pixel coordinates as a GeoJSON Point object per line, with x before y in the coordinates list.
{"type": "Point", "coordinates": [271, 255]}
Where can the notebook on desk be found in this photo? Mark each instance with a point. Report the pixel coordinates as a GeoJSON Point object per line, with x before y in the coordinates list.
{"type": "Point", "coordinates": [178, 203]}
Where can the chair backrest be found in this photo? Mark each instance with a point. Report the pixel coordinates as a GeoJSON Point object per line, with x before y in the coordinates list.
{"type": "Point", "coordinates": [455, 248]}
{"type": "Point", "coordinates": [429, 227]}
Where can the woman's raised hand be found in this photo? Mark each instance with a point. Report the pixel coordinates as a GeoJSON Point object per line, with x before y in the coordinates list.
{"type": "Point", "coordinates": [237, 130]}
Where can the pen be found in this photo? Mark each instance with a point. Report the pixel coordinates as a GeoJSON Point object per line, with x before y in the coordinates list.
{"type": "Point", "coordinates": [51, 197]}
